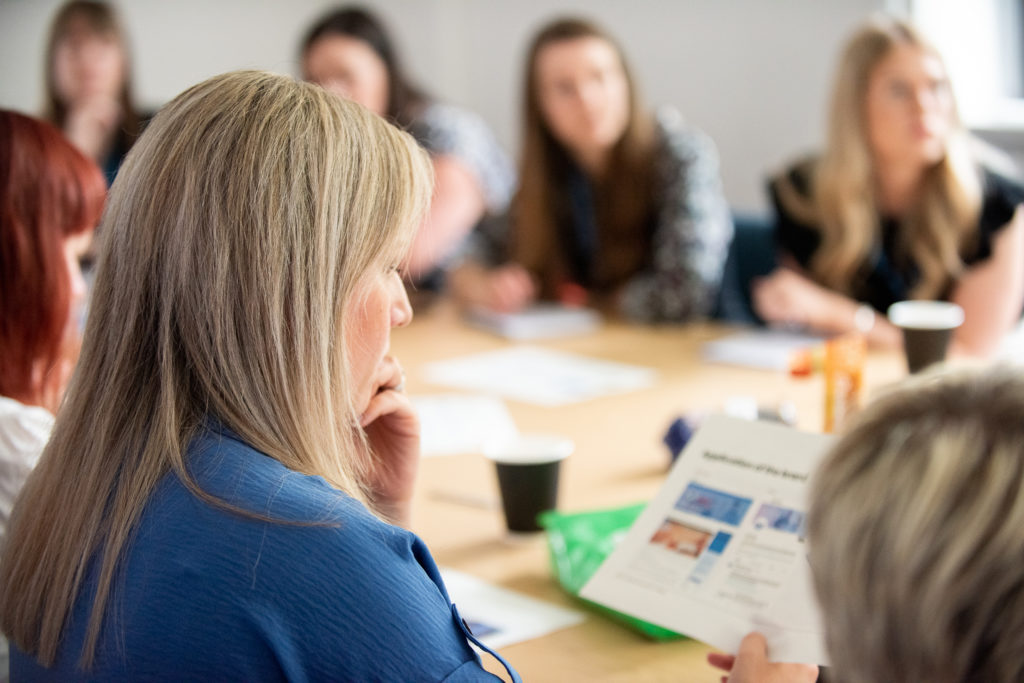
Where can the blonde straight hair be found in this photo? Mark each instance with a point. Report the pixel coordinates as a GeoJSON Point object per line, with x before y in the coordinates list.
{"type": "Point", "coordinates": [238, 236]}
{"type": "Point", "coordinates": [916, 534]}
{"type": "Point", "coordinates": [941, 224]}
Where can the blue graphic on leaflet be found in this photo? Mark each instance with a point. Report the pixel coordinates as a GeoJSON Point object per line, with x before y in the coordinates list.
{"type": "Point", "coordinates": [780, 519]}
{"type": "Point", "coordinates": [719, 542]}
{"type": "Point", "coordinates": [724, 507]}
{"type": "Point", "coordinates": [707, 561]}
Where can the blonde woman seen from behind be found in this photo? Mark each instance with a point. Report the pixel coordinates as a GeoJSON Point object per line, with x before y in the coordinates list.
{"type": "Point", "coordinates": [916, 537]}
{"type": "Point", "coordinates": [212, 502]}
{"type": "Point", "coordinates": [899, 206]}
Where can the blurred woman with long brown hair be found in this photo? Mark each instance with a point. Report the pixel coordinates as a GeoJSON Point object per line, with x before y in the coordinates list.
{"type": "Point", "coordinates": [616, 205]}
{"type": "Point", "coordinates": [88, 82]}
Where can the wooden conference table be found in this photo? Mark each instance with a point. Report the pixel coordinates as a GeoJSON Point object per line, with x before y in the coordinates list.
{"type": "Point", "coordinates": [619, 460]}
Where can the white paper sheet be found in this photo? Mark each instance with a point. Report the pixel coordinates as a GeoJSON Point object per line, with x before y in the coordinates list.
{"type": "Point", "coordinates": [760, 349]}
{"type": "Point", "coordinates": [1011, 349]}
{"type": "Point", "coordinates": [720, 551]}
{"type": "Point", "coordinates": [540, 376]}
{"type": "Point", "coordinates": [453, 424]}
{"type": "Point", "coordinates": [500, 617]}
{"type": "Point", "coordinates": [541, 321]}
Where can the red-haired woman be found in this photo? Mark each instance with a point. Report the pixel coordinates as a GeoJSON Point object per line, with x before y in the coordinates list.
{"type": "Point", "coordinates": [51, 197]}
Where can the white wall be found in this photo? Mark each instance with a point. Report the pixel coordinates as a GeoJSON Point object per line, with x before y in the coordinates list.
{"type": "Point", "coordinates": [753, 74]}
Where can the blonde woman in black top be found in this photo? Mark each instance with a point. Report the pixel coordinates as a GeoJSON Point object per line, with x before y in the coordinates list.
{"type": "Point", "coordinates": [898, 206]}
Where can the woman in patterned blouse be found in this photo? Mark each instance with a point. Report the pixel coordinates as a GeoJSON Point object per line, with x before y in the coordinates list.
{"type": "Point", "coordinates": [349, 52]}
{"type": "Point", "coordinates": [616, 206]}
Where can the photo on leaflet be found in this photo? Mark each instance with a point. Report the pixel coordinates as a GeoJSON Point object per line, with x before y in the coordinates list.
{"type": "Point", "coordinates": [683, 539]}
{"type": "Point", "coordinates": [713, 504]}
{"type": "Point", "coordinates": [780, 518]}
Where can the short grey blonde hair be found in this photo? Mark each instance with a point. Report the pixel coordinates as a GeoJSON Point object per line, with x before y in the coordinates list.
{"type": "Point", "coordinates": [916, 534]}
{"type": "Point", "coordinates": [239, 234]}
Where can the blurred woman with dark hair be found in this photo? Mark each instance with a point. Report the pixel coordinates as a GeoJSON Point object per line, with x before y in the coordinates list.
{"type": "Point", "coordinates": [88, 88]}
{"type": "Point", "coordinates": [51, 197]}
{"type": "Point", "coordinates": [615, 203]}
{"type": "Point", "coordinates": [349, 52]}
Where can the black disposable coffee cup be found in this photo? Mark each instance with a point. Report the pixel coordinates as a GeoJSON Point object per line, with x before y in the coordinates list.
{"type": "Point", "coordinates": [528, 469]}
{"type": "Point", "coordinates": [927, 329]}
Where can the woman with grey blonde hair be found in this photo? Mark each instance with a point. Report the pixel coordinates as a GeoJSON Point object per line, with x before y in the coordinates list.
{"type": "Point", "coordinates": [214, 502]}
{"type": "Point", "coordinates": [916, 537]}
{"type": "Point", "coordinates": [899, 206]}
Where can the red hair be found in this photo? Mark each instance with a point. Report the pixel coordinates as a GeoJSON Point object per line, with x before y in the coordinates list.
{"type": "Point", "coordinates": [49, 191]}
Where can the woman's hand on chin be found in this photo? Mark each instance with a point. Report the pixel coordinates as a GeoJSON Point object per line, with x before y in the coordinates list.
{"type": "Point", "coordinates": [393, 432]}
{"type": "Point", "coordinates": [91, 124]}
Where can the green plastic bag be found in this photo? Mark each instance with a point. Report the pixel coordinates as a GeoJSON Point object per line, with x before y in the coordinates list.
{"type": "Point", "coordinates": [579, 542]}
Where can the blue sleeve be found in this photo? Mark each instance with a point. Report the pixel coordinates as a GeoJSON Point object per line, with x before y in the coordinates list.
{"type": "Point", "coordinates": [692, 234]}
{"type": "Point", "coordinates": [370, 606]}
{"type": "Point", "coordinates": [346, 598]}
{"type": "Point", "coordinates": [326, 592]}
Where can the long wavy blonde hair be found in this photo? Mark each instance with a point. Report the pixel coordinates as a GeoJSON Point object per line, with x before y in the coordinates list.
{"type": "Point", "coordinates": [843, 202]}
{"type": "Point", "coordinates": [237, 237]}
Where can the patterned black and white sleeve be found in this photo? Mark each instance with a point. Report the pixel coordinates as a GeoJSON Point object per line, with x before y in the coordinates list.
{"type": "Point", "coordinates": [692, 234]}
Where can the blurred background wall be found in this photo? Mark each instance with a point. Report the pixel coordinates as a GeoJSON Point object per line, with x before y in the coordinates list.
{"type": "Point", "coordinates": [754, 74]}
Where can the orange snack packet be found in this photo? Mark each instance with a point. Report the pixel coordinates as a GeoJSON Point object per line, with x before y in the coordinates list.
{"type": "Point", "coordinates": [844, 378]}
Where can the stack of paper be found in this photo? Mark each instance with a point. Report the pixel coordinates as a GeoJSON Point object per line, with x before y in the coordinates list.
{"type": "Point", "coordinates": [761, 349]}
{"type": "Point", "coordinates": [453, 424]}
{"type": "Point", "coordinates": [500, 617]}
{"type": "Point", "coordinates": [542, 321]}
{"type": "Point", "coordinates": [540, 376]}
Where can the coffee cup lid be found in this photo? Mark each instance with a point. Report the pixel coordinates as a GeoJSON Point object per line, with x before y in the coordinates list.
{"type": "Point", "coordinates": [529, 449]}
{"type": "Point", "coordinates": [926, 315]}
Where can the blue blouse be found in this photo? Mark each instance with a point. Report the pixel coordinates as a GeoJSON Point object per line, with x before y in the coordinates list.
{"type": "Point", "coordinates": [326, 592]}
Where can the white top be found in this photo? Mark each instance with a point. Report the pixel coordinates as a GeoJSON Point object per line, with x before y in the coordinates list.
{"type": "Point", "coordinates": [24, 431]}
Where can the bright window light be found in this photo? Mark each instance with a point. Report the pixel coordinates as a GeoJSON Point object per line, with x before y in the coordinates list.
{"type": "Point", "coordinates": [982, 42]}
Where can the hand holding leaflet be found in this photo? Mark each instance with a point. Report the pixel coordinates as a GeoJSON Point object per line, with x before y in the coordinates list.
{"type": "Point", "coordinates": [751, 665]}
{"type": "Point", "coordinates": [720, 551]}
